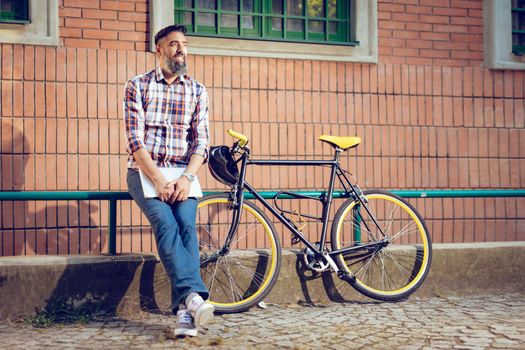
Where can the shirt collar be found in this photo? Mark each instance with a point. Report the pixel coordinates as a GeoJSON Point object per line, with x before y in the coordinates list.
{"type": "Point", "coordinates": [181, 79]}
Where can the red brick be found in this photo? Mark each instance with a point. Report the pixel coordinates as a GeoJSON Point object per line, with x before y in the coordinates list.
{"type": "Point", "coordinates": [419, 61]}
{"type": "Point", "coordinates": [475, 13]}
{"type": "Point", "coordinates": [384, 16]}
{"type": "Point", "coordinates": [418, 44]}
{"type": "Point", "coordinates": [466, 37]}
{"type": "Point", "coordinates": [116, 5]}
{"type": "Point", "coordinates": [404, 17]}
{"type": "Point", "coordinates": [467, 55]}
{"type": "Point", "coordinates": [70, 32]}
{"type": "Point", "coordinates": [393, 43]}
{"type": "Point", "coordinates": [141, 26]}
{"type": "Point", "coordinates": [466, 4]}
{"type": "Point", "coordinates": [449, 28]}
{"type": "Point", "coordinates": [434, 36]}
{"type": "Point", "coordinates": [69, 12]}
{"type": "Point", "coordinates": [82, 23]}
{"type": "Point", "coordinates": [434, 3]}
{"type": "Point", "coordinates": [132, 36]}
{"type": "Point", "coordinates": [406, 52]}
{"type": "Point", "coordinates": [391, 25]}
{"type": "Point", "coordinates": [403, 34]}
{"type": "Point", "coordinates": [141, 7]}
{"type": "Point", "coordinates": [424, 27]}
{"type": "Point", "coordinates": [18, 62]}
{"type": "Point", "coordinates": [29, 61]}
{"type": "Point", "coordinates": [116, 25]}
{"type": "Point", "coordinates": [434, 54]}
{"type": "Point", "coordinates": [81, 3]}
{"type": "Point", "coordinates": [132, 16]}
{"type": "Point", "coordinates": [117, 45]}
{"type": "Point", "coordinates": [100, 14]}
{"type": "Point", "coordinates": [449, 45]}
{"type": "Point", "coordinates": [418, 9]}
{"type": "Point", "coordinates": [466, 21]}
{"type": "Point", "coordinates": [384, 7]}
{"type": "Point", "coordinates": [85, 43]}
{"type": "Point", "coordinates": [434, 19]}
{"type": "Point", "coordinates": [100, 34]}
{"type": "Point", "coordinates": [7, 62]}
{"type": "Point", "coordinates": [449, 11]}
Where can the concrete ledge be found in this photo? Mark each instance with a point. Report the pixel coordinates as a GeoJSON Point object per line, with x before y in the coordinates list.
{"type": "Point", "coordinates": [127, 283]}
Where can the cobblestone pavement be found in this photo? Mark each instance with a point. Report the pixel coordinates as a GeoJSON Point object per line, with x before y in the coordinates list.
{"type": "Point", "coordinates": [474, 322]}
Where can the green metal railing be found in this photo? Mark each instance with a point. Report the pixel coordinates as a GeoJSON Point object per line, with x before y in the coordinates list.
{"type": "Point", "coordinates": [113, 197]}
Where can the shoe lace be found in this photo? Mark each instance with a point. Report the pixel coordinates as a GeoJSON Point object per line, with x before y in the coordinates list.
{"type": "Point", "coordinates": [185, 317]}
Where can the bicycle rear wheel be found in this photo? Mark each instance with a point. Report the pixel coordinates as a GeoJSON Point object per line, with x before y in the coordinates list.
{"type": "Point", "coordinates": [387, 272]}
{"type": "Point", "coordinates": [242, 275]}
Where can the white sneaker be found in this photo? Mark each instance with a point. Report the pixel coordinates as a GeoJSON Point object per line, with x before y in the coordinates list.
{"type": "Point", "coordinates": [201, 310]}
{"type": "Point", "coordinates": [185, 324]}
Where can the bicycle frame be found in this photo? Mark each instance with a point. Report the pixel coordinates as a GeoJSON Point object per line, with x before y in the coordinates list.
{"type": "Point", "coordinates": [335, 170]}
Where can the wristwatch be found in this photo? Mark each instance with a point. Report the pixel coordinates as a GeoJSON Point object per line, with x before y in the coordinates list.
{"type": "Point", "coordinates": [189, 176]}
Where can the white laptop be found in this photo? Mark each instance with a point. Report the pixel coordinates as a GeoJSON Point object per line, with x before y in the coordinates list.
{"type": "Point", "coordinates": [170, 174]}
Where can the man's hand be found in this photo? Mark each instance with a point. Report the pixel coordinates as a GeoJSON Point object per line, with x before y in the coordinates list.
{"type": "Point", "coordinates": [181, 190]}
{"type": "Point", "coordinates": [165, 190]}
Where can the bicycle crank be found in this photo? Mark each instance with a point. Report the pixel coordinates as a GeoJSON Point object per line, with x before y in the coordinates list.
{"type": "Point", "coordinates": [318, 265]}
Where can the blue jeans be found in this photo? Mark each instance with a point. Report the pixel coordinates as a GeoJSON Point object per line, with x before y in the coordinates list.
{"type": "Point", "coordinates": [175, 233]}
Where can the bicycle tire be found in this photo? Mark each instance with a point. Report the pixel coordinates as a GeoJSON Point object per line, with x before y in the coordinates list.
{"type": "Point", "coordinates": [244, 275]}
{"type": "Point", "coordinates": [393, 272]}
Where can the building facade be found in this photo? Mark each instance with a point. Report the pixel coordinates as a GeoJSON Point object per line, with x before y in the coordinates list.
{"type": "Point", "coordinates": [435, 89]}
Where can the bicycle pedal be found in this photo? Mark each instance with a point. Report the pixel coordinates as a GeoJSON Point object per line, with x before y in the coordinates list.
{"type": "Point", "coordinates": [346, 276]}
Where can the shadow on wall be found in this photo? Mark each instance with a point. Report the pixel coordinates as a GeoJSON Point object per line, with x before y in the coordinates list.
{"type": "Point", "coordinates": [28, 228]}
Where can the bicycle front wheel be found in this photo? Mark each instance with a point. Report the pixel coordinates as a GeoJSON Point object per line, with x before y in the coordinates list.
{"type": "Point", "coordinates": [389, 271]}
{"type": "Point", "coordinates": [240, 274]}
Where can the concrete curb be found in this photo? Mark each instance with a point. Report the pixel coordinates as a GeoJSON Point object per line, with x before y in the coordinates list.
{"type": "Point", "coordinates": [127, 283]}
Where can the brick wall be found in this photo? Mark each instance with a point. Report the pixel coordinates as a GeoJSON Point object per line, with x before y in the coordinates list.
{"type": "Point", "coordinates": [429, 114]}
{"type": "Point", "coordinates": [431, 32]}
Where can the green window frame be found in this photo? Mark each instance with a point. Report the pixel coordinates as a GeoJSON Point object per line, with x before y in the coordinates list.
{"type": "Point", "coordinates": [14, 11]}
{"type": "Point", "coordinates": [304, 21]}
{"type": "Point", "coordinates": [518, 27]}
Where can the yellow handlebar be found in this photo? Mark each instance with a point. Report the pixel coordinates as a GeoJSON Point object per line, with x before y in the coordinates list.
{"type": "Point", "coordinates": [243, 140]}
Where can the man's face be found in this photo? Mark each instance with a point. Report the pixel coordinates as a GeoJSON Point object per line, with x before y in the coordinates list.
{"type": "Point", "coordinates": [173, 50]}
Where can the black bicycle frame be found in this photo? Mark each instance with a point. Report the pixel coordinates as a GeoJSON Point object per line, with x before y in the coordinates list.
{"type": "Point", "coordinates": [326, 200]}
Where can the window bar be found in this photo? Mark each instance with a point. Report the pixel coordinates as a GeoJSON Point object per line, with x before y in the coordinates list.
{"type": "Point", "coordinates": [285, 9]}
{"type": "Point", "coordinates": [348, 26]}
{"type": "Point", "coordinates": [263, 19]}
{"type": "Point", "coordinates": [218, 17]}
{"type": "Point", "coordinates": [326, 26]}
{"type": "Point", "coordinates": [305, 13]}
{"type": "Point", "coordinates": [241, 17]}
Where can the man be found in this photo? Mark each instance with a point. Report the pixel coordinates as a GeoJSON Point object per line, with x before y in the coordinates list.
{"type": "Point", "coordinates": [166, 117]}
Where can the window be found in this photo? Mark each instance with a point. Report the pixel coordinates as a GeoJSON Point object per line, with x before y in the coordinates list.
{"type": "Point", "coordinates": [335, 30]}
{"type": "Point", "coordinates": [14, 11]}
{"type": "Point", "coordinates": [311, 21]}
{"type": "Point", "coordinates": [504, 33]}
{"type": "Point", "coordinates": [518, 27]}
{"type": "Point", "coordinates": [41, 28]}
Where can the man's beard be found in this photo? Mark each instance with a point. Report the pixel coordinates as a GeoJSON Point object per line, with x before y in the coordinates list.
{"type": "Point", "coordinates": [175, 67]}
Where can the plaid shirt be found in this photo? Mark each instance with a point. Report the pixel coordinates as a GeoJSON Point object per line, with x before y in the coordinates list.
{"type": "Point", "coordinates": [170, 121]}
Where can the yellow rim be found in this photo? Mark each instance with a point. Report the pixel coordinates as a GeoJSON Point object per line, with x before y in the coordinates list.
{"type": "Point", "coordinates": [421, 231]}
{"type": "Point", "coordinates": [273, 259]}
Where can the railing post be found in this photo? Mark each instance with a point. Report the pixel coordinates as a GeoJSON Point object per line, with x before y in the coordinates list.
{"type": "Point", "coordinates": [112, 232]}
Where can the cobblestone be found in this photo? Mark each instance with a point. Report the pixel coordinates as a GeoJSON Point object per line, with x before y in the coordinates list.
{"type": "Point", "coordinates": [474, 322]}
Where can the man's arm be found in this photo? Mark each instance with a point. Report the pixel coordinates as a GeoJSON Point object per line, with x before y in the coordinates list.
{"type": "Point", "coordinates": [135, 123]}
{"type": "Point", "coordinates": [198, 148]}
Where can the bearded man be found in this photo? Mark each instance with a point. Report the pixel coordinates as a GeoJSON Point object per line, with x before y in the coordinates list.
{"type": "Point", "coordinates": [166, 118]}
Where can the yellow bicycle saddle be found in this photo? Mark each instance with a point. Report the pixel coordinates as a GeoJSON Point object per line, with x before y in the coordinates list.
{"type": "Point", "coordinates": [341, 141]}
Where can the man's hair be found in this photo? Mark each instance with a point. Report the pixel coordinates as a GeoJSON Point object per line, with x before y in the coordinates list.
{"type": "Point", "coordinates": [165, 31]}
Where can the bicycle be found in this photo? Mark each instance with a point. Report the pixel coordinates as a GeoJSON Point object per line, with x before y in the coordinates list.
{"type": "Point", "coordinates": [379, 242]}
